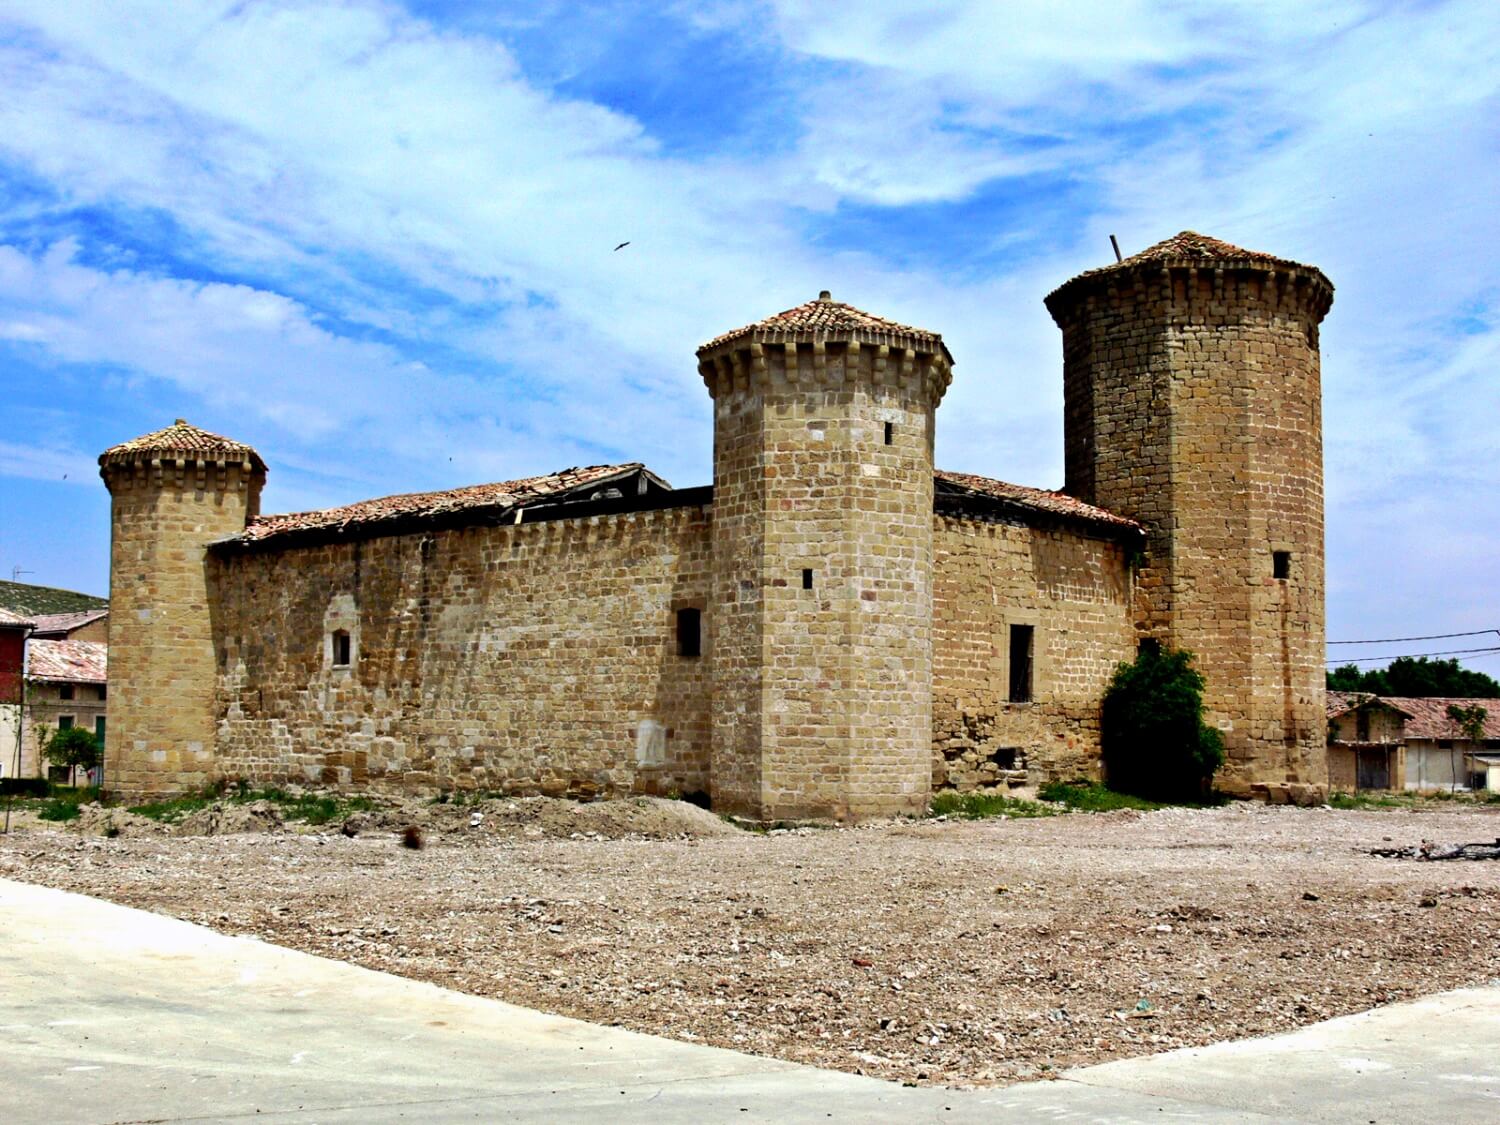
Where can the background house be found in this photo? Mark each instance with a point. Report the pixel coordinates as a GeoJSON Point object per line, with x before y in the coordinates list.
{"type": "Point", "coordinates": [53, 665]}
{"type": "Point", "coordinates": [1405, 742]}
{"type": "Point", "coordinates": [14, 630]}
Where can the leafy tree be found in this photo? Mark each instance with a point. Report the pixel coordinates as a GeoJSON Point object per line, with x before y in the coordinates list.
{"type": "Point", "coordinates": [73, 747]}
{"type": "Point", "coordinates": [1416, 676]}
{"type": "Point", "coordinates": [1469, 720]}
{"type": "Point", "coordinates": [1156, 744]}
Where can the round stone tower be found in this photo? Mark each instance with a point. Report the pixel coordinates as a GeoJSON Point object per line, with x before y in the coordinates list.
{"type": "Point", "coordinates": [172, 492]}
{"type": "Point", "coordinates": [822, 563]}
{"type": "Point", "coordinates": [1192, 404]}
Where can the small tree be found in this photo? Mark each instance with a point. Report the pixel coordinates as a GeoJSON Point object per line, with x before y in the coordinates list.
{"type": "Point", "coordinates": [1156, 744]}
{"type": "Point", "coordinates": [73, 747]}
{"type": "Point", "coordinates": [1469, 720]}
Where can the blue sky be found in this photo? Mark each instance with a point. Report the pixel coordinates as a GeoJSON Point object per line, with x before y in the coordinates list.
{"type": "Point", "coordinates": [375, 240]}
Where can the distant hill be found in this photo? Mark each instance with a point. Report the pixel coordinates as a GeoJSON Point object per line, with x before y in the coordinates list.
{"type": "Point", "coordinates": [27, 600]}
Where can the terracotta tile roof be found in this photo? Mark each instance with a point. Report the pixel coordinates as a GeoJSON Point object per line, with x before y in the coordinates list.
{"type": "Point", "coordinates": [181, 438]}
{"type": "Point", "coordinates": [494, 501]}
{"type": "Point", "coordinates": [1025, 499]}
{"type": "Point", "coordinates": [9, 620]}
{"type": "Point", "coordinates": [1338, 703]}
{"type": "Point", "coordinates": [824, 319]}
{"type": "Point", "coordinates": [1189, 248]}
{"type": "Point", "coordinates": [1429, 715]}
{"type": "Point", "coordinates": [69, 662]}
{"type": "Point", "coordinates": [66, 622]}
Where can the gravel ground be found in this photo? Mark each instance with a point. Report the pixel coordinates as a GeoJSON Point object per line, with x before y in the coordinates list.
{"type": "Point", "coordinates": [943, 952]}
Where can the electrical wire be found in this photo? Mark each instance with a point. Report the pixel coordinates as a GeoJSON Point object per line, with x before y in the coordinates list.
{"type": "Point", "coordinates": [1430, 637]}
{"type": "Point", "coordinates": [1410, 656]}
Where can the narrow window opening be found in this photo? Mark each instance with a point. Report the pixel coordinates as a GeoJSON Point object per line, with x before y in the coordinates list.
{"type": "Point", "coordinates": [103, 691]}
{"type": "Point", "coordinates": [689, 632]}
{"type": "Point", "coordinates": [1020, 663]}
{"type": "Point", "coordinates": [341, 648]}
{"type": "Point", "coordinates": [807, 578]}
{"type": "Point", "coordinates": [1281, 564]}
{"type": "Point", "coordinates": [65, 691]}
{"type": "Point", "coordinates": [890, 432]}
{"type": "Point", "coordinates": [1149, 646]}
{"type": "Point", "coordinates": [1362, 726]}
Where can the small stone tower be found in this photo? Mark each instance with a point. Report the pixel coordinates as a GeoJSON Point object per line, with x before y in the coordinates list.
{"type": "Point", "coordinates": [172, 493]}
{"type": "Point", "coordinates": [1192, 403]}
{"type": "Point", "coordinates": [821, 615]}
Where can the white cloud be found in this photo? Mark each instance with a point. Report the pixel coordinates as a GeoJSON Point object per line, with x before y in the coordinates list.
{"type": "Point", "coordinates": [389, 189]}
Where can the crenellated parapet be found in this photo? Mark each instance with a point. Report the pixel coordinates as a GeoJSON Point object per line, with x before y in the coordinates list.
{"type": "Point", "coordinates": [827, 344]}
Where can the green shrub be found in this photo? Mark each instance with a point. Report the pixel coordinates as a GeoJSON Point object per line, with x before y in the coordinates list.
{"type": "Point", "coordinates": [58, 808]}
{"type": "Point", "coordinates": [1089, 796]}
{"type": "Point", "coordinates": [1155, 742]}
{"type": "Point", "coordinates": [73, 748]}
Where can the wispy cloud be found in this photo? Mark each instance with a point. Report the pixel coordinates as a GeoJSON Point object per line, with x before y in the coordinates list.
{"type": "Point", "coordinates": [387, 231]}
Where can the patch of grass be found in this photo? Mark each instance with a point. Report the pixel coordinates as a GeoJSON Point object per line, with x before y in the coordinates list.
{"type": "Point", "coordinates": [313, 808]}
{"type": "Point", "coordinates": [58, 808]}
{"type": "Point", "coordinates": [978, 806]}
{"type": "Point", "coordinates": [1378, 800]}
{"type": "Point", "coordinates": [1090, 796]}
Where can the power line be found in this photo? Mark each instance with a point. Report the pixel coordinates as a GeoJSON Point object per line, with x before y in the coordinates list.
{"type": "Point", "coordinates": [1409, 656]}
{"type": "Point", "coordinates": [1431, 637]}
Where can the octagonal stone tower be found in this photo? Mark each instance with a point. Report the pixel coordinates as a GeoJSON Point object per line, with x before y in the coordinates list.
{"type": "Point", "coordinates": [822, 563]}
{"type": "Point", "coordinates": [172, 492]}
{"type": "Point", "coordinates": [1192, 404]}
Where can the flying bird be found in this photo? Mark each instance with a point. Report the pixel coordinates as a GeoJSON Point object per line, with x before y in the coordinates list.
{"type": "Point", "coordinates": [622, 246]}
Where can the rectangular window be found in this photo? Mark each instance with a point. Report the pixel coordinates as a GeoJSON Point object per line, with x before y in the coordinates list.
{"type": "Point", "coordinates": [1362, 726]}
{"type": "Point", "coordinates": [103, 691]}
{"type": "Point", "coordinates": [689, 632]}
{"type": "Point", "coordinates": [1281, 564]}
{"type": "Point", "coordinates": [99, 729]}
{"type": "Point", "coordinates": [64, 722]}
{"type": "Point", "coordinates": [65, 691]}
{"type": "Point", "coordinates": [807, 578]}
{"type": "Point", "coordinates": [1020, 663]}
{"type": "Point", "coordinates": [890, 432]}
{"type": "Point", "coordinates": [341, 648]}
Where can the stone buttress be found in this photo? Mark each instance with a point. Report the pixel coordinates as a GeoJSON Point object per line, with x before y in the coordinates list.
{"type": "Point", "coordinates": [822, 563]}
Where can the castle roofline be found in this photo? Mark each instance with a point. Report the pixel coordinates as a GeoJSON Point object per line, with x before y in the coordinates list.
{"type": "Point", "coordinates": [1187, 249]}
{"type": "Point", "coordinates": [478, 503]}
{"type": "Point", "coordinates": [965, 493]}
{"type": "Point", "coordinates": [824, 319]}
{"type": "Point", "coordinates": [181, 440]}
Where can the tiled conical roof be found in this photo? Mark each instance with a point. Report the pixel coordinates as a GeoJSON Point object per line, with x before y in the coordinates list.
{"type": "Point", "coordinates": [1189, 248]}
{"type": "Point", "coordinates": [826, 319]}
{"type": "Point", "coordinates": [182, 439]}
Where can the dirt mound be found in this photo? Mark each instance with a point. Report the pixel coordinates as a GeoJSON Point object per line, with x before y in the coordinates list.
{"type": "Point", "coordinates": [221, 819]}
{"type": "Point", "coordinates": [96, 820]}
{"type": "Point", "coordinates": [651, 818]}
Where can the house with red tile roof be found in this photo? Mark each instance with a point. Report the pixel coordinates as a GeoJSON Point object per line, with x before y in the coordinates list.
{"type": "Point", "coordinates": [1381, 742]}
{"type": "Point", "coordinates": [834, 628]}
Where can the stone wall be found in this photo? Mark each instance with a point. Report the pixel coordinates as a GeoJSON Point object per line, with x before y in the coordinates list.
{"type": "Point", "coordinates": [1075, 592]}
{"type": "Point", "coordinates": [531, 658]}
{"type": "Point", "coordinates": [161, 644]}
{"type": "Point", "coordinates": [1193, 405]}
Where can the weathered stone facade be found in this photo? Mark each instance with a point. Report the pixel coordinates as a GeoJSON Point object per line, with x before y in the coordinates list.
{"type": "Point", "coordinates": [833, 630]}
{"type": "Point", "coordinates": [167, 505]}
{"type": "Point", "coordinates": [524, 658]}
{"type": "Point", "coordinates": [1192, 400]}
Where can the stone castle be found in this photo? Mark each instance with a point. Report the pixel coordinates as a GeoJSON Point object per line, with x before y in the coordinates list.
{"type": "Point", "coordinates": [832, 629]}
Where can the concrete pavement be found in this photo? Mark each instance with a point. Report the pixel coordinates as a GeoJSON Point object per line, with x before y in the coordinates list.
{"type": "Point", "coordinates": [111, 1015]}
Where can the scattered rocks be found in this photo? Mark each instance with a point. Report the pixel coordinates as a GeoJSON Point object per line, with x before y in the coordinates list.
{"type": "Point", "coordinates": [223, 818]}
